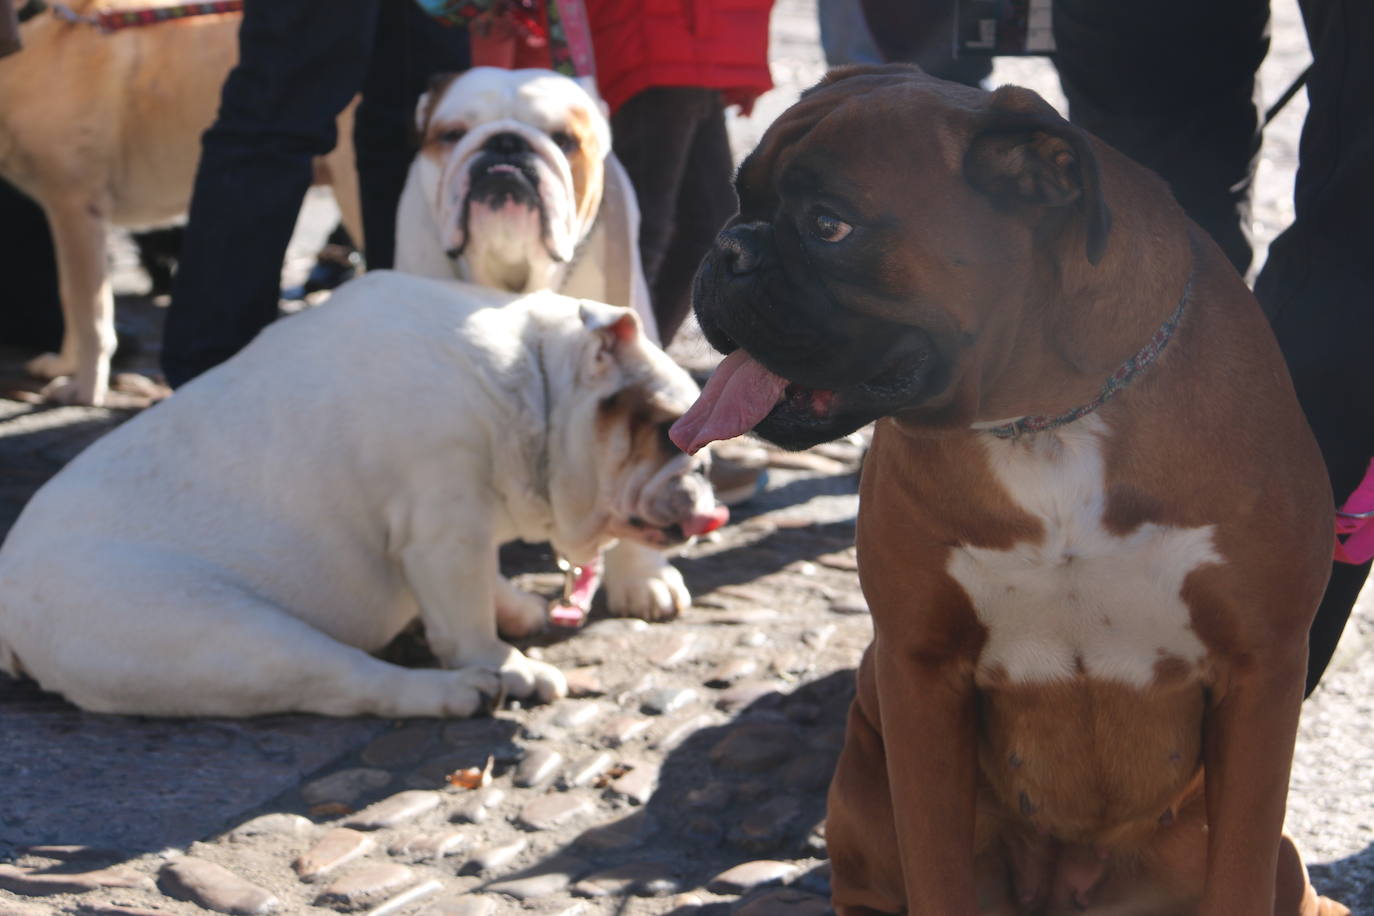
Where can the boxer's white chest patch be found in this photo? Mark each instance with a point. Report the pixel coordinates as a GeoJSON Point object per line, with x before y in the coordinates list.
{"type": "Point", "coordinates": [1081, 600]}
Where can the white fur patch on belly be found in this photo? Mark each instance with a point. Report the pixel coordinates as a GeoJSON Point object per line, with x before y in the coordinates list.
{"type": "Point", "coordinates": [1082, 600]}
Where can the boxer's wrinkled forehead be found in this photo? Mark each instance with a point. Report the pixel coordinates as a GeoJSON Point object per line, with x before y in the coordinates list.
{"type": "Point", "coordinates": [847, 124]}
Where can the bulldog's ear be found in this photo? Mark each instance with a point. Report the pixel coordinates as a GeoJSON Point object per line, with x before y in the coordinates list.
{"type": "Point", "coordinates": [429, 99]}
{"type": "Point", "coordinates": [613, 325]}
{"type": "Point", "coordinates": [1023, 150]}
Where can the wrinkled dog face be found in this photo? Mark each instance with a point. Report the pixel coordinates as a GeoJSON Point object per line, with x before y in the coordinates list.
{"type": "Point", "coordinates": [512, 163]}
{"type": "Point", "coordinates": [888, 222]}
{"type": "Point", "coordinates": [654, 492]}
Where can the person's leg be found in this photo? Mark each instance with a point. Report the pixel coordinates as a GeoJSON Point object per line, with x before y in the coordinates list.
{"type": "Point", "coordinates": [923, 34]}
{"type": "Point", "coordinates": [1316, 285]}
{"type": "Point", "coordinates": [652, 136]}
{"type": "Point", "coordinates": [300, 63]}
{"type": "Point", "coordinates": [845, 38]}
{"type": "Point", "coordinates": [33, 317]}
{"type": "Point", "coordinates": [705, 201]}
{"type": "Point", "coordinates": [410, 48]}
{"type": "Point", "coordinates": [1171, 84]}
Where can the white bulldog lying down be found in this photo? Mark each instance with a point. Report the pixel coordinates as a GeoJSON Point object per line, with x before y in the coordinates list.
{"type": "Point", "coordinates": [242, 547]}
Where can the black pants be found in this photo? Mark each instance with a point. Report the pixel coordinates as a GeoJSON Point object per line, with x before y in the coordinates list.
{"type": "Point", "coordinates": [1171, 84]}
{"type": "Point", "coordinates": [300, 63]}
{"type": "Point", "coordinates": [31, 316]}
{"type": "Point", "coordinates": [673, 144]}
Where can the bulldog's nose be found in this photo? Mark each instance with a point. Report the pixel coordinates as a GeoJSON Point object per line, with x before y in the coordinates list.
{"type": "Point", "coordinates": [739, 246]}
{"type": "Point", "coordinates": [507, 144]}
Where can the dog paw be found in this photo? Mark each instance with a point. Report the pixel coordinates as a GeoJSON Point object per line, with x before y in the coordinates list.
{"type": "Point", "coordinates": [72, 393]}
{"type": "Point", "coordinates": [50, 366]}
{"type": "Point", "coordinates": [518, 613]}
{"type": "Point", "coordinates": [523, 677]}
{"type": "Point", "coordinates": [640, 582]}
{"type": "Point", "coordinates": [456, 694]}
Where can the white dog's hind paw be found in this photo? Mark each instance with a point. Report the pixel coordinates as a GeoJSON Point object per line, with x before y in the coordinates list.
{"type": "Point", "coordinates": [454, 694]}
{"type": "Point", "coordinates": [50, 366]}
{"type": "Point", "coordinates": [522, 677]}
{"type": "Point", "coordinates": [640, 582]}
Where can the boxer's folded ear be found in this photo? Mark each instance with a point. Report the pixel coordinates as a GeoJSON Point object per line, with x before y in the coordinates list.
{"type": "Point", "coordinates": [1023, 150]}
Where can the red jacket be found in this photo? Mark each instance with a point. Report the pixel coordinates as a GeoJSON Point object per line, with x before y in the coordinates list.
{"type": "Point", "coordinates": [714, 44]}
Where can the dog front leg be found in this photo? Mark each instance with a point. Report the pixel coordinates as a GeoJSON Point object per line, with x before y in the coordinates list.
{"type": "Point", "coordinates": [640, 582]}
{"type": "Point", "coordinates": [1251, 728]}
{"type": "Point", "coordinates": [449, 561]}
{"type": "Point", "coordinates": [929, 718]}
{"type": "Point", "coordinates": [78, 227]}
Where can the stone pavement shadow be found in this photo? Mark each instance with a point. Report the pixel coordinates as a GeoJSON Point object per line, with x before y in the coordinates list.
{"type": "Point", "coordinates": [771, 553]}
{"type": "Point", "coordinates": [131, 784]}
{"type": "Point", "coordinates": [35, 442]}
{"type": "Point", "coordinates": [1349, 880]}
{"type": "Point", "coordinates": [737, 813]}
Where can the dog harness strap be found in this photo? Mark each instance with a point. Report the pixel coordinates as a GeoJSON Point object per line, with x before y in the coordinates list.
{"type": "Point", "coordinates": [1123, 376]}
{"type": "Point", "coordinates": [1355, 523]}
{"type": "Point", "coordinates": [114, 20]}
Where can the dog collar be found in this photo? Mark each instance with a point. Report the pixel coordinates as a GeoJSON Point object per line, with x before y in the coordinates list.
{"type": "Point", "coordinates": [1126, 373]}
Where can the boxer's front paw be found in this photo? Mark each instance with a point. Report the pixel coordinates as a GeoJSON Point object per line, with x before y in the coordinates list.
{"type": "Point", "coordinates": [640, 582]}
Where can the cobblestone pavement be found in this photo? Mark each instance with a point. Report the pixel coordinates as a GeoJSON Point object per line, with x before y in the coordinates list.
{"type": "Point", "coordinates": [685, 775]}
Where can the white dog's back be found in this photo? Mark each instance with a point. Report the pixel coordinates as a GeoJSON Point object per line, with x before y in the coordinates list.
{"type": "Point", "coordinates": [195, 501]}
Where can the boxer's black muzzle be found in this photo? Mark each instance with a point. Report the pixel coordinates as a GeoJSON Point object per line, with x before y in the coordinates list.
{"type": "Point", "coordinates": [757, 291]}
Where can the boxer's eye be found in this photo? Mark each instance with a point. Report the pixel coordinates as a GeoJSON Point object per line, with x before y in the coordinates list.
{"type": "Point", "coordinates": [565, 141]}
{"type": "Point", "coordinates": [829, 228]}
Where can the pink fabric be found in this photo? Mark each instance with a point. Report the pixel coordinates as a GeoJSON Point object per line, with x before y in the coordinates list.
{"type": "Point", "coordinates": [1355, 536]}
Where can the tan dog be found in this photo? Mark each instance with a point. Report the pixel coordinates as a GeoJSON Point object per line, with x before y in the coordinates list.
{"type": "Point", "coordinates": [104, 129]}
{"type": "Point", "coordinates": [1093, 529]}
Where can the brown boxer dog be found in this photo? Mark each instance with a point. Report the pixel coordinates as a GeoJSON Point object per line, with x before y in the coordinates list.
{"type": "Point", "coordinates": [1093, 529]}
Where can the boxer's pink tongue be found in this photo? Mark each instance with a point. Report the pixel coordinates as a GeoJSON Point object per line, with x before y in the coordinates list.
{"type": "Point", "coordinates": [736, 398]}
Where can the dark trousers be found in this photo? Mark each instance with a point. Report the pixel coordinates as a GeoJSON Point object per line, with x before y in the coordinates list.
{"type": "Point", "coordinates": [31, 316]}
{"type": "Point", "coordinates": [300, 63]}
{"type": "Point", "coordinates": [1171, 84]}
{"type": "Point", "coordinates": [922, 33]}
{"type": "Point", "coordinates": [673, 144]}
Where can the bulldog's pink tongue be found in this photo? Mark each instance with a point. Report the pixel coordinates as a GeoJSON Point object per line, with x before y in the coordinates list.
{"type": "Point", "coordinates": [736, 398]}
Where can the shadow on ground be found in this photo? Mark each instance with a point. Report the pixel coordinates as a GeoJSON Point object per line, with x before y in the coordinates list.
{"type": "Point", "coordinates": [751, 789]}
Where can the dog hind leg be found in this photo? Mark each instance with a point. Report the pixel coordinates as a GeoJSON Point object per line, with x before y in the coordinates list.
{"type": "Point", "coordinates": [176, 640]}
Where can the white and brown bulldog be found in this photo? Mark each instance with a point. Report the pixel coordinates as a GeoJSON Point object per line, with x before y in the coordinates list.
{"type": "Point", "coordinates": [1093, 529]}
{"type": "Point", "coordinates": [515, 187]}
{"type": "Point", "coordinates": [241, 548]}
